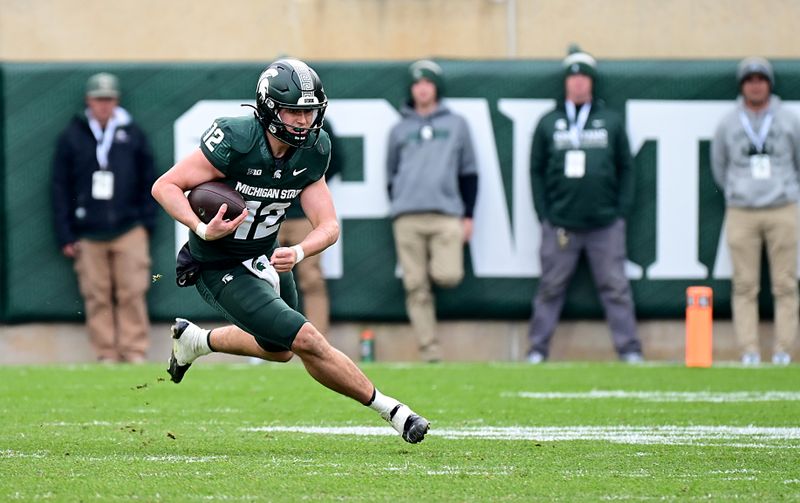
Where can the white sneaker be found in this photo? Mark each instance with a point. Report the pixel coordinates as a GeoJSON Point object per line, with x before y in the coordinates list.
{"type": "Point", "coordinates": [781, 358]}
{"type": "Point", "coordinates": [189, 342]}
{"type": "Point", "coordinates": [751, 358]}
{"type": "Point", "coordinates": [410, 426]}
{"type": "Point", "coordinates": [634, 357]}
{"type": "Point", "coordinates": [535, 358]}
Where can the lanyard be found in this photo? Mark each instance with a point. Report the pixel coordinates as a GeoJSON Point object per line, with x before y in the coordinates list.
{"type": "Point", "coordinates": [576, 126]}
{"type": "Point", "coordinates": [104, 138]}
{"type": "Point", "coordinates": [761, 138]}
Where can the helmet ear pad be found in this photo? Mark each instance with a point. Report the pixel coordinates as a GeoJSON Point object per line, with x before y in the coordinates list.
{"type": "Point", "coordinates": [290, 84]}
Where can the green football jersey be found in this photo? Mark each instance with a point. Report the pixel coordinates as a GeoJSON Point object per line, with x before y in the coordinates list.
{"type": "Point", "coordinates": [237, 146]}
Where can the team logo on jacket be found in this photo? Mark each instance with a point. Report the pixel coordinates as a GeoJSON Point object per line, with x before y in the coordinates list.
{"type": "Point", "coordinates": [561, 124]}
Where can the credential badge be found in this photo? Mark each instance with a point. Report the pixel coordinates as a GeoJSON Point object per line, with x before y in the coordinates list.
{"type": "Point", "coordinates": [426, 133]}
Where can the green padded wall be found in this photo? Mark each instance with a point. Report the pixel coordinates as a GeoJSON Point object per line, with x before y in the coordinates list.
{"type": "Point", "coordinates": [38, 99]}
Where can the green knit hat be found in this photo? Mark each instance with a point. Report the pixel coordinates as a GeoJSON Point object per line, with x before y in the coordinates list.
{"type": "Point", "coordinates": [579, 62]}
{"type": "Point", "coordinates": [427, 69]}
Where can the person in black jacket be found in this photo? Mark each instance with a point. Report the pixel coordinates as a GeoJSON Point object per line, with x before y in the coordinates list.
{"type": "Point", "coordinates": [104, 215]}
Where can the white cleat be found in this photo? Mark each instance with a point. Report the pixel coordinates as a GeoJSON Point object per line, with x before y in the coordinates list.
{"type": "Point", "coordinates": [189, 342]}
{"type": "Point", "coordinates": [781, 358]}
{"type": "Point", "coordinates": [410, 426]}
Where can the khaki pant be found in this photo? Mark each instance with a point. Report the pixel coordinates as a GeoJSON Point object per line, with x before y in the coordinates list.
{"type": "Point", "coordinates": [308, 275]}
{"type": "Point", "coordinates": [114, 277]}
{"type": "Point", "coordinates": [748, 230]}
{"type": "Point", "coordinates": [430, 247]}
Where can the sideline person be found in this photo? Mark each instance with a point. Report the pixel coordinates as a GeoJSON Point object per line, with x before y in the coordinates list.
{"type": "Point", "coordinates": [582, 183]}
{"type": "Point", "coordinates": [433, 185]}
{"type": "Point", "coordinates": [104, 216]}
{"type": "Point", "coordinates": [755, 160]}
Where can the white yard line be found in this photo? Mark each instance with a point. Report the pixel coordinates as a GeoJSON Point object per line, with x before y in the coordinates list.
{"type": "Point", "coordinates": [168, 458]}
{"type": "Point", "coordinates": [665, 396]}
{"type": "Point", "coordinates": [739, 436]}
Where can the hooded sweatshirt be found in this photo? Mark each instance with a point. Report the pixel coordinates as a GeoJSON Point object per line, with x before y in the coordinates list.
{"type": "Point", "coordinates": [731, 150]}
{"type": "Point", "coordinates": [427, 157]}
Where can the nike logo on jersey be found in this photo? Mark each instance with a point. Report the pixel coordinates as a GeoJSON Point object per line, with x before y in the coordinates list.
{"type": "Point", "coordinates": [298, 171]}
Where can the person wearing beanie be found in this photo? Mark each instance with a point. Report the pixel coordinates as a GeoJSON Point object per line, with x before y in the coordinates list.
{"type": "Point", "coordinates": [433, 182]}
{"type": "Point", "coordinates": [582, 184]}
{"type": "Point", "coordinates": [104, 216]}
{"type": "Point", "coordinates": [755, 161]}
{"type": "Point", "coordinates": [579, 63]}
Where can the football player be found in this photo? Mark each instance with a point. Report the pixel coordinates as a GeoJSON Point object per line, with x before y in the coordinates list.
{"type": "Point", "coordinates": [270, 158]}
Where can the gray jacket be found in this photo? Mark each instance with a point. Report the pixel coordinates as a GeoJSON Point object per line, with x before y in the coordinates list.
{"type": "Point", "coordinates": [730, 158]}
{"type": "Point", "coordinates": [426, 157]}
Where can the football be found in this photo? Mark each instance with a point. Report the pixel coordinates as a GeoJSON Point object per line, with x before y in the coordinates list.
{"type": "Point", "coordinates": [206, 198]}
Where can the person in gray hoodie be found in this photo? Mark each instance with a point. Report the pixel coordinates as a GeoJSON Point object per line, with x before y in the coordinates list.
{"type": "Point", "coordinates": [755, 160]}
{"type": "Point", "coordinates": [433, 183]}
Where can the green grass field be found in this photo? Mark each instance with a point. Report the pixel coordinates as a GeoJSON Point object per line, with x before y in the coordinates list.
{"type": "Point", "coordinates": [500, 432]}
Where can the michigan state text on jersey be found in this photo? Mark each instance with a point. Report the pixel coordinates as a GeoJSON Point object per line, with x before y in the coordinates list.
{"type": "Point", "coordinates": [237, 147]}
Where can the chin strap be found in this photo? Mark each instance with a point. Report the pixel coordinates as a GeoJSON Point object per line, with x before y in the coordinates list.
{"type": "Point", "coordinates": [304, 145]}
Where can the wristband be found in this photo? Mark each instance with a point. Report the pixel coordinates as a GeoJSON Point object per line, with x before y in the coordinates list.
{"type": "Point", "coordinates": [300, 253]}
{"type": "Point", "coordinates": [200, 230]}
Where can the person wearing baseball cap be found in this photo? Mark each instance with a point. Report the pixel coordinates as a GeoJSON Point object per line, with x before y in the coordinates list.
{"type": "Point", "coordinates": [102, 85]}
{"type": "Point", "coordinates": [755, 161]}
{"type": "Point", "coordinates": [104, 214]}
{"type": "Point", "coordinates": [582, 184]}
{"type": "Point", "coordinates": [432, 178]}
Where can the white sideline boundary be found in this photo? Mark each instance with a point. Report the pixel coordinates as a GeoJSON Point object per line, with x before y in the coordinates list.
{"type": "Point", "coordinates": [665, 396]}
{"type": "Point", "coordinates": [723, 436]}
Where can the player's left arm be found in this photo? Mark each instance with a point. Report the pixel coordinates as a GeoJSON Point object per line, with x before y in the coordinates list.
{"type": "Point", "coordinates": [318, 206]}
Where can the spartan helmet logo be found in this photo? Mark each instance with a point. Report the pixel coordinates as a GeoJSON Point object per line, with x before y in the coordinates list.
{"type": "Point", "coordinates": [263, 84]}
